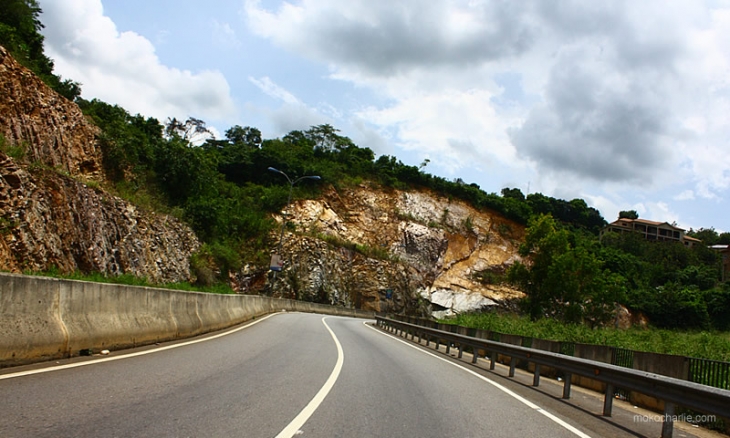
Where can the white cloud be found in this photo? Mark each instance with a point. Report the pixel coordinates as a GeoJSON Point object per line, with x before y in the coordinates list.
{"type": "Point", "coordinates": [271, 89]}
{"type": "Point", "coordinates": [122, 67]}
{"type": "Point", "coordinates": [293, 114]}
{"type": "Point", "coordinates": [460, 127]}
{"type": "Point", "coordinates": [620, 97]}
{"type": "Point", "coordinates": [685, 195]}
{"type": "Point", "coordinates": [224, 34]}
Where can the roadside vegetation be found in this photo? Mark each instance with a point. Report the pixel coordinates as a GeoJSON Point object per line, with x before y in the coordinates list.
{"type": "Point", "coordinates": [691, 343]}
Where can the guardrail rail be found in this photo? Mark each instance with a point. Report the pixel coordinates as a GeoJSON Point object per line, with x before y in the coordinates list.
{"type": "Point", "coordinates": [674, 392]}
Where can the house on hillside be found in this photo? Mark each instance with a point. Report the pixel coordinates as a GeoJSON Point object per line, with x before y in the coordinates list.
{"type": "Point", "coordinates": [650, 230]}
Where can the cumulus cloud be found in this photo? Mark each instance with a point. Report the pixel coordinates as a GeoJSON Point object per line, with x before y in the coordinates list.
{"type": "Point", "coordinates": [122, 67]}
{"type": "Point", "coordinates": [383, 38]}
{"type": "Point", "coordinates": [273, 90]}
{"type": "Point", "coordinates": [460, 127]}
{"type": "Point", "coordinates": [293, 114]}
{"type": "Point", "coordinates": [615, 95]}
{"type": "Point", "coordinates": [598, 122]}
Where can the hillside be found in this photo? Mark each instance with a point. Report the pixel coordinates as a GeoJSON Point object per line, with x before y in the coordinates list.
{"type": "Point", "coordinates": [81, 183]}
{"type": "Point", "coordinates": [367, 246]}
{"type": "Point", "coordinates": [54, 212]}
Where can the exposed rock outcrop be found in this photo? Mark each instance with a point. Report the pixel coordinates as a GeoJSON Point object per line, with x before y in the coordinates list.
{"type": "Point", "coordinates": [396, 251]}
{"type": "Point", "coordinates": [53, 209]}
{"type": "Point", "coordinates": [52, 129]}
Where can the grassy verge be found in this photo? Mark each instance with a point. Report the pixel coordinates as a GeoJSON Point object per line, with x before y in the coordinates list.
{"type": "Point", "coordinates": [132, 280]}
{"type": "Point", "coordinates": [702, 344]}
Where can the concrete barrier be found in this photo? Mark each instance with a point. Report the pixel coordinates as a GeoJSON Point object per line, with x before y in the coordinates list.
{"type": "Point", "coordinates": [47, 318]}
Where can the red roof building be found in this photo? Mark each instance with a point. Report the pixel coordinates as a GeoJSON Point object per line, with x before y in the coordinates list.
{"type": "Point", "coordinates": [650, 230]}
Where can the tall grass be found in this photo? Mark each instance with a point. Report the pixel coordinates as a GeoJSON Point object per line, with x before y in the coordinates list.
{"type": "Point", "coordinates": [703, 344]}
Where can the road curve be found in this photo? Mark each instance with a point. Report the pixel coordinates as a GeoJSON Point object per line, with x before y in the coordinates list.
{"type": "Point", "coordinates": [286, 375]}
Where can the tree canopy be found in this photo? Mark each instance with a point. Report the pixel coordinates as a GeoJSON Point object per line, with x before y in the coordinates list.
{"type": "Point", "coordinates": [20, 34]}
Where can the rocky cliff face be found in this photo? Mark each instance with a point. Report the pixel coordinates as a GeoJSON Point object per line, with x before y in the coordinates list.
{"type": "Point", "coordinates": [383, 250]}
{"type": "Point", "coordinates": [53, 211]}
{"type": "Point", "coordinates": [397, 251]}
{"type": "Point", "coordinates": [50, 128]}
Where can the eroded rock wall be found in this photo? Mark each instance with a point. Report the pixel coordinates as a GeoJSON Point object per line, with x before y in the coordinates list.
{"type": "Point", "coordinates": [50, 220]}
{"type": "Point", "coordinates": [50, 128]}
{"type": "Point", "coordinates": [53, 209]}
{"type": "Point", "coordinates": [391, 250]}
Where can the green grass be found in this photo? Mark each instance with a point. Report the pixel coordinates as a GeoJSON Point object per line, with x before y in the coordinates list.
{"type": "Point", "coordinates": [132, 280]}
{"type": "Point", "coordinates": [702, 344]}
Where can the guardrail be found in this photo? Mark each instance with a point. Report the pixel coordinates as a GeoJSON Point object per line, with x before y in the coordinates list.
{"type": "Point", "coordinates": [674, 392]}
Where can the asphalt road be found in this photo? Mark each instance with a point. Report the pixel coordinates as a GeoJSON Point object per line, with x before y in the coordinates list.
{"type": "Point", "coordinates": [285, 375]}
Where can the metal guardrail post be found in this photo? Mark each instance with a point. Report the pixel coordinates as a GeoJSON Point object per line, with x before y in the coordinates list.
{"type": "Point", "coordinates": [512, 366]}
{"type": "Point", "coordinates": [476, 354]}
{"type": "Point", "coordinates": [493, 360]}
{"type": "Point", "coordinates": [668, 425]}
{"type": "Point", "coordinates": [608, 400]}
{"type": "Point", "coordinates": [536, 375]}
{"type": "Point", "coordinates": [566, 385]}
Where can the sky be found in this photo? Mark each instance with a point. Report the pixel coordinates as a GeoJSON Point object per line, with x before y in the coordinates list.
{"type": "Point", "coordinates": [625, 104]}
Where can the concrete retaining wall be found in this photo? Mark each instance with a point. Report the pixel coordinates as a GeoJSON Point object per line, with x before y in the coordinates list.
{"type": "Point", "coordinates": [47, 318]}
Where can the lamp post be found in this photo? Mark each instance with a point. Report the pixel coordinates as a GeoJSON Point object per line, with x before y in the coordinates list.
{"type": "Point", "coordinates": [277, 257]}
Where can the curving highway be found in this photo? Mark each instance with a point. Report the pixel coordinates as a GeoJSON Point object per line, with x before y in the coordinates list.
{"type": "Point", "coordinates": [283, 375]}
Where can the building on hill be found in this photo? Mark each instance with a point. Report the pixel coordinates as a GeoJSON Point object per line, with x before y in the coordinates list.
{"type": "Point", "coordinates": [650, 230]}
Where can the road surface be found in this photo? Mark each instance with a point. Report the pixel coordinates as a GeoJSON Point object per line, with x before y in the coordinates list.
{"type": "Point", "coordinates": [290, 374]}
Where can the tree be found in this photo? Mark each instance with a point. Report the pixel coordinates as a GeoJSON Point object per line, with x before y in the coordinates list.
{"type": "Point", "coordinates": [708, 236]}
{"type": "Point", "coordinates": [192, 130]}
{"type": "Point", "coordinates": [724, 239]}
{"type": "Point", "coordinates": [562, 277]}
{"type": "Point", "coordinates": [248, 136]}
{"type": "Point", "coordinates": [543, 243]}
{"type": "Point", "coordinates": [513, 193]}
{"type": "Point", "coordinates": [324, 136]}
{"type": "Point", "coordinates": [628, 214]}
{"type": "Point", "coordinates": [20, 34]}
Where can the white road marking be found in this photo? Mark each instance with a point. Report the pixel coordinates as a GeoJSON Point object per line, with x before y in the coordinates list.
{"type": "Point", "coordinates": [294, 427]}
{"type": "Point", "coordinates": [519, 398]}
{"type": "Point", "coordinates": [127, 356]}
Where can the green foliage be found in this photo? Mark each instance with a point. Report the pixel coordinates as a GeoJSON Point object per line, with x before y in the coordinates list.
{"type": "Point", "coordinates": [129, 143]}
{"type": "Point", "coordinates": [20, 35]}
{"type": "Point", "coordinates": [563, 278]}
{"type": "Point", "coordinates": [469, 224]}
{"type": "Point", "coordinates": [213, 262]}
{"type": "Point", "coordinates": [494, 275]}
{"type": "Point", "coordinates": [703, 344]}
{"type": "Point", "coordinates": [628, 214]}
{"type": "Point", "coordinates": [16, 152]}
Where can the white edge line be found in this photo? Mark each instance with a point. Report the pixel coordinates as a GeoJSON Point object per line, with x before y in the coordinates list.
{"type": "Point", "coordinates": [298, 421]}
{"type": "Point", "coordinates": [491, 382]}
{"type": "Point", "coordinates": [130, 355]}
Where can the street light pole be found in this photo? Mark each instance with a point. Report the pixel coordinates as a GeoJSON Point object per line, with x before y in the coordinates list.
{"type": "Point", "coordinates": [283, 219]}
